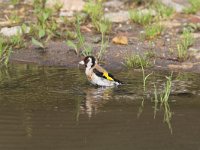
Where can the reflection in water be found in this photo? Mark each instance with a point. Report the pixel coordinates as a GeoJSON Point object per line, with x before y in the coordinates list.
{"type": "Point", "coordinates": [39, 105]}
{"type": "Point", "coordinates": [161, 99]}
{"type": "Point", "coordinates": [27, 122]}
{"type": "Point", "coordinates": [95, 98]}
{"type": "Point", "coordinates": [164, 101]}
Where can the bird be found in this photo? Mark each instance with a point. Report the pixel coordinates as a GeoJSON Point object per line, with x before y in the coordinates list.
{"type": "Point", "coordinates": [98, 75]}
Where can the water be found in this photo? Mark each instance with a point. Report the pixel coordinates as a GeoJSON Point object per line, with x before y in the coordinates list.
{"type": "Point", "coordinates": [45, 108]}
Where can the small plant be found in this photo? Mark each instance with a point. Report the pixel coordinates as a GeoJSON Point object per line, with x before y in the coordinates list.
{"type": "Point", "coordinates": [150, 54]}
{"type": "Point", "coordinates": [104, 44]}
{"type": "Point", "coordinates": [16, 41]}
{"type": "Point", "coordinates": [140, 17]}
{"type": "Point", "coordinates": [182, 47]}
{"type": "Point", "coordinates": [87, 50]}
{"type": "Point", "coordinates": [95, 11]}
{"type": "Point", "coordinates": [5, 51]}
{"type": "Point", "coordinates": [194, 8]}
{"type": "Point", "coordinates": [14, 18]}
{"type": "Point", "coordinates": [164, 102]}
{"type": "Point", "coordinates": [46, 26]}
{"type": "Point", "coordinates": [37, 43]}
{"type": "Point", "coordinates": [15, 2]}
{"type": "Point", "coordinates": [145, 77]}
{"type": "Point", "coordinates": [136, 61]}
{"type": "Point", "coordinates": [153, 30]}
{"type": "Point", "coordinates": [162, 10]}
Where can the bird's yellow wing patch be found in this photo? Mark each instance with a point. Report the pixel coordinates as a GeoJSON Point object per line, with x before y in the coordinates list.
{"type": "Point", "coordinates": [105, 74]}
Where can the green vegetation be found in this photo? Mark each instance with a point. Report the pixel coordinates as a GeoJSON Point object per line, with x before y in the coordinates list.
{"type": "Point", "coordinates": [151, 31]}
{"type": "Point", "coordinates": [5, 51]}
{"type": "Point", "coordinates": [104, 44]}
{"type": "Point", "coordinates": [182, 47]}
{"type": "Point", "coordinates": [162, 10]}
{"type": "Point", "coordinates": [87, 50]}
{"type": "Point", "coordinates": [95, 11]}
{"type": "Point", "coordinates": [141, 18]}
{"type": "Point", "coordinates": [194, 8]}
{"type": "Point", "coordinates": [144, 77]}
{"type": "Point", "coordinates": [150, 54]}
{"type": "Point", "coordinates": [136, 61]}
{"type": "Point", "coordinates": [164, 101]}
{"type": "Point", "coordinates": [14, 18]}
{"type": "Point", "coordinates": [15, 2]}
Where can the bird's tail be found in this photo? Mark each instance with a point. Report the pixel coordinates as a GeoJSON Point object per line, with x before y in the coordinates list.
{"type": "Point", "coordinates": [118, 82]}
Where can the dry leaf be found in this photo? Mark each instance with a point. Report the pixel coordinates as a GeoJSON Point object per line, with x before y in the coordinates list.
{"type": "Point", "coordinates": [120, 40]}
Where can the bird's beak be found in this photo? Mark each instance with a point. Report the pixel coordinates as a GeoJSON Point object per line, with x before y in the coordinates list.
{"type": "Point", "coordinates": [81, 62]}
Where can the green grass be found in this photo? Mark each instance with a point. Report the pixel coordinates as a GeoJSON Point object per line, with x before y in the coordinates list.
{"type": "Point", "coordinates": [144, 77]}
{"type": "Point", "coordinates": [104, 44]}
{"type": "Point", "coordinates": [182, 47]}
{"type": "Point", "coordinates": [87, 50]}
{"type": "Point", "coordinates": [163, 100]}
{"type": "Point", "coordinates": [17, 41]}
{"type": "Point", "coordinates": [136, 61]}
{"type": "Point", "coordinates": [194, 8]}
{"type": "Point", "coordinates": [45, 27]}
{"type": "Point", "coordinates": [5, 51]}
{"type": "Point", "coordinates": [162, 10]}
{"type": "Point", "coordinates": [150, 54]}
{"type": "Point", "coordinates": [153, 30]}
{"type": "Point", "coordinates": [14, 18]}
{"type": "Point", "coordinates": [141, 18]}
{"type": "Point", "coordinates": [94, 9]}
{"type": "Point", "coordinates": [15, 2]}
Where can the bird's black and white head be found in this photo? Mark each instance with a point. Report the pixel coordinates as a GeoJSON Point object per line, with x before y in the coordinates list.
{"type": "Point", "coordinates": [88, 61]}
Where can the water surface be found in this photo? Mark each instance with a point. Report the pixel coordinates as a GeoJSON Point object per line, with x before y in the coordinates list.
{"type": "Point", "coordinates": [44, 108]}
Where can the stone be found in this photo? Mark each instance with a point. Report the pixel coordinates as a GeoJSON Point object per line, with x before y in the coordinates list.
{"type": "Point", "coordinates": [193, 52]}
{"type": "Point", "coordinates": [117, 17]}
{"type": "Point", "coordinates": [178, 6]}
{"type": "Point", "coordinates": [183, 66]}
{"type": "Point", "coordinates": [113, 4]}
{"type": "Point", "coordinates": [69, 5]}
{"type": "Point", "coordinates": [146, 11]}
{"type": "Point", "coordinates": [6, 31]}
{"type": "Point", "coordinates": [66, 14]}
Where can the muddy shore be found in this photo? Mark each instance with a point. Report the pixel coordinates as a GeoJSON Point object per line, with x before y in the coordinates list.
{"type": "Point", "coordinates": [57, 53]}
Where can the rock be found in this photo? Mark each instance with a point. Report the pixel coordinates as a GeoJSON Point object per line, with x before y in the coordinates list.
{"type": "Point", "coordinates": [123, 40]}
{"type": "Point", "coordinates": [4, 1]}
{"type": "Point", "coordinates": [13, 31]}
{"type": "Point", "coordinates": [193, 52]}
{"type": "Point", "coordinates": [146, 11]}
{"type": "Point", "coordinates": [184, 66]}
{"type": "Point", "coordinates": [113, 4]}
{"type": "Point", "coordinates": [121, 16]}
{"type": "Point", "coordinates": [196, 35]}
{"type": "Point", "coordinates": [96, 40]}
{"type": "Point", "coordinates": [68, 5]}
{"type": "Point", "coordinates": [179, 7]}
{"type": "Point", "coordinates": [66, 14]}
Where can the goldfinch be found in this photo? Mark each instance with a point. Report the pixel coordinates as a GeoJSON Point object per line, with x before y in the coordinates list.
{"type": "Point", "coordinates": [96, 74]}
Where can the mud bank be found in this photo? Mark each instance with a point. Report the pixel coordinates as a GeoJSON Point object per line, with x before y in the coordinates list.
{"type": "Point", "coordinates": [59, 54]}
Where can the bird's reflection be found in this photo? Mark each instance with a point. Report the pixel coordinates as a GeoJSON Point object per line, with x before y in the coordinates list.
{"type": "Point", "coordinates": [94, 99]}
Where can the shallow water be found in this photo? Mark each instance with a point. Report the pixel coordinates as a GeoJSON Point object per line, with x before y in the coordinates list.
{"type": "Point", "coordinates": [56, 108]}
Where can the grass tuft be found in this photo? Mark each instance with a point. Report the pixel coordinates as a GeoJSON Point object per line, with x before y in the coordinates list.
{"type": "Point", "coordinates": [152, 31]}
{"type": "Point", "coordinates": [136, 61]}
{"type": "Point", "coordinates": [162, 10]}
{"type": "Point", "coordinates": [141, 18]}
{"type": "Point", "coordinates": [87, 50]}
{"type": "Point", "coordinates": [182, 47]}
{"type": "Point", "coordinates": [194, 8]}
{"type": "Point", "coordinates": [164, 102]}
